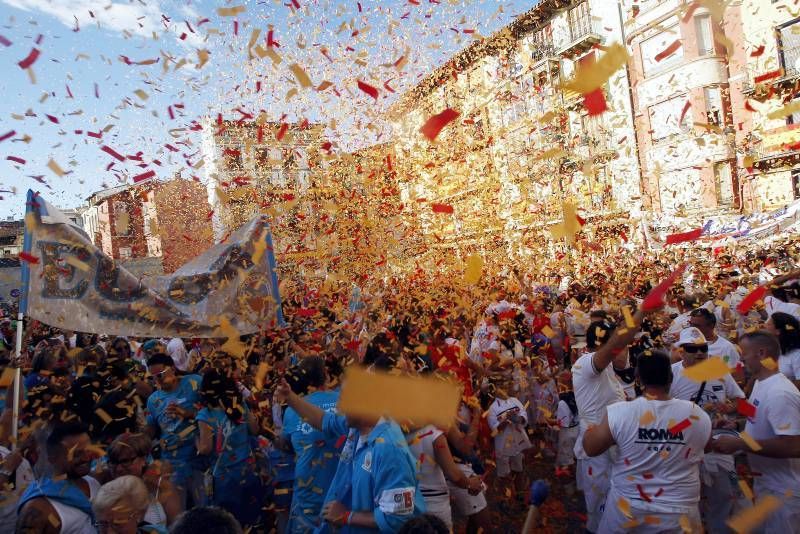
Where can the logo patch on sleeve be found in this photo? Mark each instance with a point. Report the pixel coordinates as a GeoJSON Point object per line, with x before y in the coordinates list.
{"type": "Point", "coordinates": [398, 501]}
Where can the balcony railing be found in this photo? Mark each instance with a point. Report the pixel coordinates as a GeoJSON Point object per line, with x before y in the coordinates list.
{"type": "Point", "coordinates": [542, 52]}
{"type": "Point", "coordinates": [583, 35]}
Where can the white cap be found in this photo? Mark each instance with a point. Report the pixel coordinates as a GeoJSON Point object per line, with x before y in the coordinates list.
{"type": "Point", "coordinates": [691, 336]}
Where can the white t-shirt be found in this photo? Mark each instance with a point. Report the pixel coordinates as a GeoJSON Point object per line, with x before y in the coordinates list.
{"type": "Point", "coordinates": [789, 364]}
{"type": "Point", "coordinates": [513, 439]}
{"type": "Point", "coordinates": [715, 391]}
{"type": "Point", "coordinates": [431, 478]}
{"type": "Point", "coordinates": [653, 462]}
{"type": "Point", "coordinates": [725, 350]}
{"type": "Point", "coordinates": [674, 331]}
{"type": "Point", "coordinates": [777, 403]}
{"type": "Point", "coordinates": [594, 391]}
{"type": "Point", "coordinates": [773, 304]}
{"type": "Point", "coordinates": [8, 506]}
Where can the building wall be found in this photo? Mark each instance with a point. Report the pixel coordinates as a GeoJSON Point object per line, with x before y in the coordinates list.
{"type": "Point", "coordinates": [682, 106]}
{"type": "Point", "coordinates": [496, 166]}
{"type": "Point", "coordinates": [184, 230]}
{"type": "Point", "coordinates": [120, 223]}
{"type": "Point", "coordinates": [768, 147]}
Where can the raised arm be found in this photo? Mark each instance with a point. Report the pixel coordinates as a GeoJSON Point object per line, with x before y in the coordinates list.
{"type": "Point", "coordinates": [620, 339]}
{"type": "Point", "coordinates": [306, 410]}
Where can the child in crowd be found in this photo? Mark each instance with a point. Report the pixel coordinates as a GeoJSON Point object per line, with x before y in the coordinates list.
{"type": "Point", "coordinates": [507, 420]}
{"type": "Point", "coordinates": [567, 422]}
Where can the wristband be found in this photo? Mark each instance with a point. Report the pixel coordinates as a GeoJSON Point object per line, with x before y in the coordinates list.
{"type": "Point", "coordinates": [348, 517]}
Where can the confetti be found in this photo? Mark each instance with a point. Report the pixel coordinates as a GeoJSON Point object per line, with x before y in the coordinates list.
{"type": "Point", "coordinates": [442, 208]}
{"type": "Point", "coordinates": [749, 519]}
{"type": "Point", "coordinates": [57, 170]}
{"type": "Point", "coordinates": [437, 122]}
{"type": "Point", "coordinates": [711, 369]}
{"type": "Point", "coordinates": [30, 59]}
{"type": "Point", "coordinates": [750, 442]}
{"type": "Point", "coordinates": [745, 408]}
{"type": "Point", "coordinates": [680, 427]}
{"type": "Point", "coordinates": [591, 76]}
{"type": "Point", "coordinates": [144, 176]}
{"type": "Point", "coordinates": [750, 300]}
{"type": "Point", "coordinates": [655, 299]}
{"type": "Point", "coordinates": [474, 269]}
{"type": "Point", "coordinates": [668, 51]}
{"type": "Point", "coordinates": [302, 78]}
{"type": "Point", "coordinates": [230, 11]}
{"type": "Point", "coordinates": [684, 237]}
{"type": "Point", "coordinates": [367, 88]}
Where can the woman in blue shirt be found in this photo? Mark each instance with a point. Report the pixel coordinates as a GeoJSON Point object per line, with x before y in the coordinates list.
{"type": "Point", "coordinates": [225, 426]}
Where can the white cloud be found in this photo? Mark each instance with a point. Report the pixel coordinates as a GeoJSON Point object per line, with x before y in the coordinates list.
{"type": "Point", "coordinates": [135, 17]}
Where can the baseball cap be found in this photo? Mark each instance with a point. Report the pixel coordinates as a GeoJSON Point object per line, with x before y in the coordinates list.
{"type": "Point", "coordinates": [691, 336]}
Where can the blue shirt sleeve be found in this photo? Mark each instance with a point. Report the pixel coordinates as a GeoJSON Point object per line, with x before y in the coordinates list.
{"type": "Point", "coordinates": [151, 418]}
{"type": "Point", "coordinates": [396, 491]}
{"type": "Point", "coordinates": [334, 425]}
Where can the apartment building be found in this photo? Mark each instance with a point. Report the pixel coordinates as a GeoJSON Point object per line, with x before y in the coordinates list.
{"type": "Point", "coordinates": [522, 145]}
{"type": "Point", "coordinates": [766, 63]}
{"type": "Point", "coordinates": [683, 109]}
{"type": "Point", "coordinates": [118, 228]}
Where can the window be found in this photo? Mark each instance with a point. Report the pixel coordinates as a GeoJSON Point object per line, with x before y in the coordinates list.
{"type": "Point", "coordinates": [653, 46]}
{"type": "Point", "coordinates": [705, 35]}
{"type": "Point", "coordinates": [789, 47]}
{"type": "Point", "coordinates": [580, 21]}
{"type": "Point", "coordinates": [795, 184]}
{"type": "Point", "coordinates": [125, 253]}
{"type": "Point", "coordinates": [542, 44]}
{"type": "Point", "coordinates": [723, 183]}
{"type": "Point", "coordinates": [713, 105]}
{"type": "Point", "coordinates": [664, 118]}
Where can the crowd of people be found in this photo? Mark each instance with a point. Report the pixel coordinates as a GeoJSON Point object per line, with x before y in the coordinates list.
{"type": "Point", "coordinates": [570, 368]}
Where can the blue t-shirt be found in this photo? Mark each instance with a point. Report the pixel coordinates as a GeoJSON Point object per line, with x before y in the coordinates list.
{"type": "Point", "coordinates": [376, 474]}
{"type": "Point", "coordinates": [177, 434]}
{"type": "Point", "coordinates": [316, 456]}
{"type": "Point", "coordinates": [236, 450]}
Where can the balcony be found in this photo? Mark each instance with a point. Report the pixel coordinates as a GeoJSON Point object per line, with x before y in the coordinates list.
{"type": "Point", "coordinates": [782, 158]}
{"type": "Point", "coordinates": [583, 36]}
{"type": "Point", "coordinates": [543, 52]}
{"type": "Point", "coordinates": [785, 81]}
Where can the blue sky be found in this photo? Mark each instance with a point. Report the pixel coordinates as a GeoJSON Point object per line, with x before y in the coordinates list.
{"type": "Point", "coordinates": [83, 82]}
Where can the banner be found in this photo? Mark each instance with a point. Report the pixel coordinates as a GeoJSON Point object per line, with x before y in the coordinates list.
{"type": "Point", "coordinates": [69, 283]}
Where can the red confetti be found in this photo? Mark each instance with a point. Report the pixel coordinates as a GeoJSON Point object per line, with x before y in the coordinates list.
{"type": "Point", "coordinates": [30, 60]}
{"type": "Point", "coordinates": [686, 107]}
{"type": "Point", "coordinates": [282, 131]}
{"type": "Point", "coordinates": [668, 51]}
{"type": "Point", "coordinates": [4, 41]}
{"type": "Point", "coordinates": [30, 258]}
{"type": "Point", "coordinates": [655, 299]}
{"type": "Point", "coordinates": [689, 12]}
{"type": "Point", "coordinates": [367, 88]}
{"type": "Point", "coordinates": [683, 237]}
{"type": "Point", "coordinates": [69, 93]}
{"type": "Point", "coordinates": [644, 495]}
{"type": "Point", "coordinates": [748, 107]}
{"type": "Point", "coordinates": [5, 136]}
{"type": "Point", "coordinates": [757, 52]}
{"type": "Point", "coordinates": [16, 159]}
{"type": "Point", "coordinates": [51, 118]}
{"type": "Point", "coordinates": [442, 208]}
{"type": "Point", "coordinates": [113, 153]}
{"type": "Point", "coordinates": [144, 176]}
{"type": "Point", "coordinates": [745, 408]}
{"type": "Point", "coordinates": [751, 298]}
{"type": "Point", "coordinates": [768, 76]}
{"type": "Point", "coordinates": [680, 427]}
{"type": "Point", "coordinates": [595, 102]}
{"type": "Point", "coordinates": [434, 124]}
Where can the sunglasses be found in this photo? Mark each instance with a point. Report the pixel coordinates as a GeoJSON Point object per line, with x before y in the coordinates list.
{"type": "Point", "coordinates": [694, 349]}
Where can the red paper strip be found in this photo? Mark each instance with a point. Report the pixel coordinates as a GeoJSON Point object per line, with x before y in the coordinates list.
{"type": "Point", "coordinates": [655, 299]}
{"type": "Point", "coordinates": [30, 60]}
{"type": "Point", "coordinates": [282, 131]}
{"type": "Point", "coordinates": [113, 153]}
{"type": "Point", "coordinates": [4, 41]}
{"type": "Point", "coordinates": [442, 208]}
{"type": "Point", "coordinates": [595, 102]}
{"type": "Point", "coordinates": [15, 159]}
{"type": "Point", "coordinates": [679, 427]}
{"type": "Point", "coordinates": [757, 52]}
{"type": "Point", "coordinates": [5, 136]}
{"type": "Point", "coordinates": [686, 107]}
{"type": "Point", "coordinates": [51, 118]}
{"type": "Point", "coordinates": [668, 51]}
{"type": "Point", "coordinates": [367, 88]}
{"type": "Point", "coordinates": [144, 176]}
{"type": "Point", "coordinates": [768, 76]}
{"type": "Point", "coordinates": [745, 408]}
{"type": "Point", "coordinates": [751, 298]}
{"type": "Point", "coordinates": [682, 237]}
{"type": "Point", "coordinates": [644, 495]}
{"type": "Point", "coordinates": [30, 258]}
{"type": "Point", "coordinates": [434, 124]}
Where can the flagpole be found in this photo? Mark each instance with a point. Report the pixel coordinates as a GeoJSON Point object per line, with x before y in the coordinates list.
{"type": "Point", "coordinates": [23, 308]}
